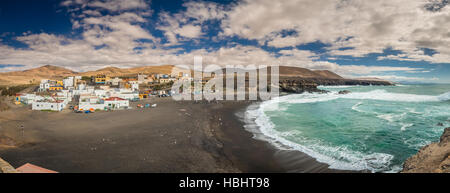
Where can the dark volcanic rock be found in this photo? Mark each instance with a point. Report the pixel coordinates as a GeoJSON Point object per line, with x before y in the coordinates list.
{"type": "Point", "coordinates": [440, 124]}
{"type": "Point", "coordinates": [298, 86]}
{"type": "Point", "coordinates": [344, 92]}
{"type": "Point", "coordinates": [292, 84]}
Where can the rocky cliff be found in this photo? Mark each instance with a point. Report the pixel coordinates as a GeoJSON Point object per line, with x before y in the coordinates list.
{"type": "Point", "coordinates": [301, 84]}
{"type": "Point", "coordinates": [335, 82]}
{"type": "Point", "coordinates": [298, 86]}
{"type": "Point", "coordinates": [433, 158]}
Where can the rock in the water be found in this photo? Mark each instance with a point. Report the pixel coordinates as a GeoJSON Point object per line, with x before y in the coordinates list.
{"type": "Point", "coordinates": [433, 158]}
{"type": "Point", "coordinates": [440, 124]}
{"type": "Point", "coordinates": [445, 138]}
{"type": "Point", "coordinates": [344, 92]}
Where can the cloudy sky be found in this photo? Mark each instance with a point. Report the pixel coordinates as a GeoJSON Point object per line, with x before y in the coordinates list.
{"type": "Point", "coordinates": [400, 40]}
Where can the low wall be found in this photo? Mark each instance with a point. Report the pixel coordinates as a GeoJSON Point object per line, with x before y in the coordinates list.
{"type": "Point", "coordinates": [5, 167]}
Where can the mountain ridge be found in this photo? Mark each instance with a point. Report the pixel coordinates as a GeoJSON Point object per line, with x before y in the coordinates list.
{"type": "Point", "coordinates": [33, 76]}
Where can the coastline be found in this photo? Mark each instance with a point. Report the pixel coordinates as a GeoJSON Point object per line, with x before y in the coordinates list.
{"type": "Point", "coordinates": [247, 148]}
{"type": "Point", "coordinates": [207, 137]}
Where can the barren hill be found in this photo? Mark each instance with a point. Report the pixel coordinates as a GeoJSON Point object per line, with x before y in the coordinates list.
{"type": "Point", "coordinates": [287, 71]}
{"type": "Point", "coordinates": [33, 76]}
{"type": "Point", "coordinates": [321, 77]}
{"type": "Point", "coordinates": [114, 71]}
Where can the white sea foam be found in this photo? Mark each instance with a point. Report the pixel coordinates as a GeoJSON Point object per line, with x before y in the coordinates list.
{"type": "Point", "coordinates": [339, 157]}
{"type": "Point", "coordinates": [444, 97]}
{"type": "Point", "coordinates": [357, 109]}
{"type": "Point", "coordinates": [383, 95]}
{"type": "Point", "coordinates": [388, 117]}
{"type": "Point", "coordinates": [392, 117]}
{"type": "Point", "coordinates": [413, 110]}
{"type": "Point", "coordinates": [331, 87]}
{"type": "Point", "coordinates": [405, 126]}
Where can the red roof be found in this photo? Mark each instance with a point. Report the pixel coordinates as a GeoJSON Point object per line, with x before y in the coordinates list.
{"type": "Point", "coordinates": [114, 99]}
{"type": "Point", "coordinates": [30, 168]}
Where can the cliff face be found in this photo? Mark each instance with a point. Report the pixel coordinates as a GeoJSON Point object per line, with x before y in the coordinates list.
{"type": "Point", "coordinates": [433, 158]}
{"type": "Point", "coordinates": [335, 82]}
{"type": "Point", "coordinates": [298, 86]}
{"type": "Point", "coordinates": [301, 85]}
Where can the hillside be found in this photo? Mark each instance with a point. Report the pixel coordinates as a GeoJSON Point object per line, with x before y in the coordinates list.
{"type": "Point", "coordinates": [321, 77]}
{"type": "Point", "coordinates": [287, 71]}
{"type": "Point", "coordinates": [114, 71]}
{"type": "Point", "coordinates": [33, 76]}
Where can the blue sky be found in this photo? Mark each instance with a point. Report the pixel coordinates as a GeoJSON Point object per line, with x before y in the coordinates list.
{"type": "Point", "coordinates": [402, 41]}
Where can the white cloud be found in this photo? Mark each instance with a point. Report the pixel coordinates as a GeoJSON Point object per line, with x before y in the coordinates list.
{"type": "Point", "coordinates": [189, 23]}
{"type": "Point", "coordinates": [115, 40]}
{"type": "Point", "coordinates": [404, 78]}
{"type": "Point", "coordinates": [366, 26]}
{"type": "Point", "coordinates": [111, 5]}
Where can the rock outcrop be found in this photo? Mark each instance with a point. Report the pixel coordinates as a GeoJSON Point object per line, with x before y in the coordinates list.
{"type": "Point", "coordinates": [298, 86]}
{"type": "Point", "coordinates": [351, 82]}
{"type": "Point", "coordinates": [344, 92]}
{"type": "Point", "coordinates": [433, 158]}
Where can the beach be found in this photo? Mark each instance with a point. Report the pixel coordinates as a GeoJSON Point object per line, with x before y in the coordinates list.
{"type": "Point", "coordinates": [176, 136]}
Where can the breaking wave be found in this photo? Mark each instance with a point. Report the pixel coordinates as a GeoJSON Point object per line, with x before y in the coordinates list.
{"type": "Point", "coordinates": [444, 97]}
{"type": "Point", "coordinates": [382, 95]}
{"type": "Point", "coordinates": [347, 159]}
{"type": "Point", "coordinates": [338, 157]}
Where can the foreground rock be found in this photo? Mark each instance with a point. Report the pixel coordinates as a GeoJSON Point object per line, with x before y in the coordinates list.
{"type": "Point", "coordinates": [433, 158]}
{"type": "Point", "coordinates": [344, 92]}
{"type": "Point", "coordinates": [5, 167]}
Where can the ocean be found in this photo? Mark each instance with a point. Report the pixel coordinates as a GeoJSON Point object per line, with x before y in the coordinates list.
{"type": "Point", "coordinates": [373, 128]}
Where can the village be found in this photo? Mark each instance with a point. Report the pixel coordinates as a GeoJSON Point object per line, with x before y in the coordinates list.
{"type": "Point", "coordinates": [97, 93]}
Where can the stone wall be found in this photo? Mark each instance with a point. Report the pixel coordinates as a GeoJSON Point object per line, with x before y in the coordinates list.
{"type": "Point", "coordinates": [5, 167]}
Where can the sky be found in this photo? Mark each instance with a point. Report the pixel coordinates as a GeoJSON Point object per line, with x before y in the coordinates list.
{"type": "Point", "coordinates": [401, 40]}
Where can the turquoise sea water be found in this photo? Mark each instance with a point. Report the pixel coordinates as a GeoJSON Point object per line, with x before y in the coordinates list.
{"type": "Point", "coordinates": [373, 128]}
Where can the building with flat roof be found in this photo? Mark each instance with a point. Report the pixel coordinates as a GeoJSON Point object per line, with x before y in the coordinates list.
{"type": "Point", "coordinates": [48, 105]}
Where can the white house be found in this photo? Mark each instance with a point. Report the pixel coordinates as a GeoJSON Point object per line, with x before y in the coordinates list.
{"type": "Point", "coordinates": [142, 78]}
{"type": "Point", "coordinates": [116, 103]}
{"type": "Point", "coordinates": [81, 86]}
{"type": "Point", "coordinates": [45, 85]}
{"type": "Point", "coordinates": [114, 81]}
{"type": "Point", "coordinates": [128, 95]}
{"type": "Point", "coordinates": [88, 106]}
{"type": "Point", "coordinates": [134, 85]}
{"type": "Point", "coordinates": [89, 98]}
{"type": "Point", "coordinates": [101, 93]}
{"type": "Point", "coordinates": [56, 105]}
{"type": "Point", "coordinates": [68, 82]}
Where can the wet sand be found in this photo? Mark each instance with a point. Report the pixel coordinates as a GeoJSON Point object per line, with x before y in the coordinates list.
{"type": "Point", "coordinates": [173, 137]}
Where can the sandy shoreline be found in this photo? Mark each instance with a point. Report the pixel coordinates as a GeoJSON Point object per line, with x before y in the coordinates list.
{"type": "Point", "coordinates": [174, 137]}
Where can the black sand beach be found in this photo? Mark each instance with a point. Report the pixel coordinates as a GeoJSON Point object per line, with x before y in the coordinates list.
{"type": "Point", "coordinates": [173, 137]}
